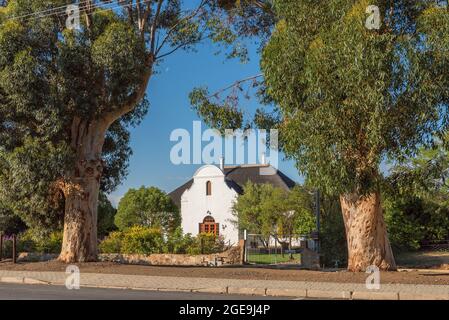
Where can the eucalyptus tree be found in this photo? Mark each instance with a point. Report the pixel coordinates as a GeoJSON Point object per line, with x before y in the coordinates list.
{"type": "Point", "coordinates": [357, 82]}
{"type": "Point", "coordinates": [68, 95]}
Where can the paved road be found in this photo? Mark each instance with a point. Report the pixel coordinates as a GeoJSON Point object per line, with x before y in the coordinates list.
{"type": "Point", "coordinates": [50, 292]}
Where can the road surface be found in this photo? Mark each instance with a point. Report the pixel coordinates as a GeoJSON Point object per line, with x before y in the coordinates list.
{"type": "Point", "coordinates": [50, 292]}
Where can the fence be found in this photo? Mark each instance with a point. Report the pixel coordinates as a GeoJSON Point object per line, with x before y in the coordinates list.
{"type": "Point", "coordinates": [9, 252]}
{"type": "Point", "coordinates": [276, 249]}
{"type": "Point", "coordinates": [435, 245]}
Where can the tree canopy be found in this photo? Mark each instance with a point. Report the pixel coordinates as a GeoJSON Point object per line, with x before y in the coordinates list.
{"type": "Point", "coordinates": [69, 96]}
{"type": "Point", "coordinates": [271, 211]}
{"type": "Point", "coordinates": [149, 207]}
{"type": "Point", "coordinates": [350, 96]}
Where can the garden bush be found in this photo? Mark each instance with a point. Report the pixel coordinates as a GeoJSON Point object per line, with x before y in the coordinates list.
{"type": "Point", "coordinates": [142, 240]}
{"type": "Point", "coordinates": [179, 243]}
{"type": "Point", "coordinates": [145, 240]}
{"type": "Point", "coordinates": [206, 243]}
{"type": "Point", "coordinates": [29, 241]}
{"type": "Point", "coordinates": [112, 243]}
{"type": "Point", "coordinates": [134, 240]}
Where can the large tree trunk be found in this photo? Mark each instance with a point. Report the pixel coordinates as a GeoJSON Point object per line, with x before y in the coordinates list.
{"type": "Point", "coordinates": [366, 233]}
{"type": "Point", "coordinates": [81, 190]}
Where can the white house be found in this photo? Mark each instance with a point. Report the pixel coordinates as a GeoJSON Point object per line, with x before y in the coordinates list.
{"type": "Point", "coordinates": [206, 200]}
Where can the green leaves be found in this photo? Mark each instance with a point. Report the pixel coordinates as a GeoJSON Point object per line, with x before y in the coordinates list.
{"type": "Point", "coordinates": [119, 54]}
{"type": "Point", "coordinates": [27, 177]}
{"type": "Point", "coordinates": [217, 116]}
{"type": "Point", "coordinates": [149, 207]}
{"type": "Point", "coordinates": [349, 96]}
{"type": "Point", "coordinates": [267, 210]}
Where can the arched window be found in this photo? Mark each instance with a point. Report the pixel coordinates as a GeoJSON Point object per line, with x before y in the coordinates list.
{"type": "Point", "coordinates": [208, 188]}
{"type": "Point", "coordinates": [209, 226]}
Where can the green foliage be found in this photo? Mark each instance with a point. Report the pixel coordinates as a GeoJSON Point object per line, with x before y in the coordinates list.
{"type": "Point", "coordinates": [53, 80]}
{"type": "Point", "coordinates": [134, 240]}
{"type": "Point", "coordinates": [31, 241]}
{"type": "Point", "coordinates": [333, 246]}
{"type": "Point", "coordinates": [148, 207]}
{"type": "Point", "coordinates": [112, 243]}
{"type": "Point", "coordinates": [145, 240]}
{"type": "Point", "coordinates": [215, 115]}
{"type": "Point", "coordinates": [9, 222]}
{"type": "Point", "coordinates": [267, 210]}
{"type": "Point", "coordinates": [417, 203]}
{"type": "Point", "coordinates": [106, 215]}
{"type": "Point", "coordinates": [410, 220]}
{"type": "Point", "coordinates": [349, 96]}
{"type": "Point", "coordinates": [179, 243]}
{"type": "Point", "coordinates": [404, 229]}
{"type": "Point", "coordinates": [142, 240]}
{"type": "Point", "coordinates": [24, 185]}
{"type": "Point", "coordinates": [206, 243]}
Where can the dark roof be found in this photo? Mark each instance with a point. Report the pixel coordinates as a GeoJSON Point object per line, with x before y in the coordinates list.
{"type": "Point", "coordinates": [176, 194]}
{"type": "Point", "coordinates": [237, 176]}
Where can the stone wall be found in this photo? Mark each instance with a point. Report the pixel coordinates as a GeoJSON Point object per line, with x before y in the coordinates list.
{"type": "Point", "coordinates": [36, 257]}
{"type": "Point", "coordinates": [230, 257]}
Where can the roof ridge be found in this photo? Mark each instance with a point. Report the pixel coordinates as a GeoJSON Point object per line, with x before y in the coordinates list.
{"type": "Point", "coordinates": [247, 166]}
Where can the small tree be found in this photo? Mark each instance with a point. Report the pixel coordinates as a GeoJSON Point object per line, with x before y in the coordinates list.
{"type": "Point", "coordinates": [274, 212]}
{"type": "Point", "coordinates": [149, 207]}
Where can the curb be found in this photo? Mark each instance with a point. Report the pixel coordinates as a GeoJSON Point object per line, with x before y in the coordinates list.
{"type": "Point", "coordinates": [271, 292]}
{"type": "Point", "coordinates": [23, 280]}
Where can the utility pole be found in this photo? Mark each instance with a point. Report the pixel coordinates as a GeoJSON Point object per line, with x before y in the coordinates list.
{"type": "Point", "coordinates": [317, 215]}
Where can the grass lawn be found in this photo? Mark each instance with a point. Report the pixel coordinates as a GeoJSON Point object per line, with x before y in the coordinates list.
{"type": "Point", "coordinates": [265, 258]}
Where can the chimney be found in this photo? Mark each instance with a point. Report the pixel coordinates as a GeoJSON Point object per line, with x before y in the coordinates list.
{"type": "Point", "coordinates": [222, 162]}
{"type": "Point", "coordinates": [263, 159]}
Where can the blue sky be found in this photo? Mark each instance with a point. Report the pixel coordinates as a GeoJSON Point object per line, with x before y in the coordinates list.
{"type": "Point", "coordinates": [170, 109]}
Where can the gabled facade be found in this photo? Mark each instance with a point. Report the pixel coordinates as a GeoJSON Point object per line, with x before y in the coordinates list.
{"type": "Point", "coordinates": [206, 200]}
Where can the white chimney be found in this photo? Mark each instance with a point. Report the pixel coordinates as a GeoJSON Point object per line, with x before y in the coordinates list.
{"type": "Point", "coordinates": [222, 162]}
{"type": "Point", "coordinates": [263, 159]}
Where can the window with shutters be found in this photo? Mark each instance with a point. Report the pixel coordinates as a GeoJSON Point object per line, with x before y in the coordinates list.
{"type": "Point", "coordinates": [209, 226]}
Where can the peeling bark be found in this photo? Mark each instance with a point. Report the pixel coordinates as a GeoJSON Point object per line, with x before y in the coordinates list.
{"type": "Point", "coordinates": [81, 186]}
{"type": "Point", "coordinates": [366, 233]}
{"type": "Point", "coordinates": [81, 190]}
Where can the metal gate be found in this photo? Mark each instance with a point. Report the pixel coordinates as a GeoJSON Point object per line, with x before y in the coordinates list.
{"type": "Point", "coordinates": [274, 249]}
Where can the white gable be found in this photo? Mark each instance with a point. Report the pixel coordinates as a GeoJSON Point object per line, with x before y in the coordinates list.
{"type": "Point", "coordinates": [196, 204]}
{"type": "Point", "coordinates": [208, 171]}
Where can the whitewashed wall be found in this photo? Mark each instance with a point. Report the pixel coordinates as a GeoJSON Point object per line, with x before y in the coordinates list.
{"type": "Point", "coordinates": [195, 203]}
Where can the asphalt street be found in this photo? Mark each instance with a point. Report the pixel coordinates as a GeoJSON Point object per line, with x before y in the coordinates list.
{"type": "Point", "coordinates": [50, 292]}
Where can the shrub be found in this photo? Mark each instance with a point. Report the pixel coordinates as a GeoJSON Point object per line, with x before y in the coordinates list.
{"type": "Point", "coordinates": [52, 244]}
{"type": "Point", "coordinates": [112, 243]}
{"type": "Point", "coordinates": [145, 240]}
{"type": "Point", "coordinates": [134, 240]}
{"type": "Point", "coordinates": [142, 240]}
{"type": "Point", "coordinates": [179, 243]}
{"type": "Point", "coordinates": [29, 241]}
{"type": "Point", "coordinates": [206, 243]}
{"type": "Point", "coordinates": [404, 229]}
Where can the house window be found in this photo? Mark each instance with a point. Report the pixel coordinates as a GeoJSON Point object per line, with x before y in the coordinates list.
{"type": "Point", "coordinates": [208, 188]}
{"type": "Point", "coordinates": [209, 226]}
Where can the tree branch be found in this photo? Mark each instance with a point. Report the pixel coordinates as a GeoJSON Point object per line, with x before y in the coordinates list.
{"type": "Point", "coordinates": [173, 28]}
{"type": "Point", "coordinates": [154, 27]}
{"type": "Point", "coordinates": [236, 84]}
{"type": "Point", "coordinates": [134, 98]}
